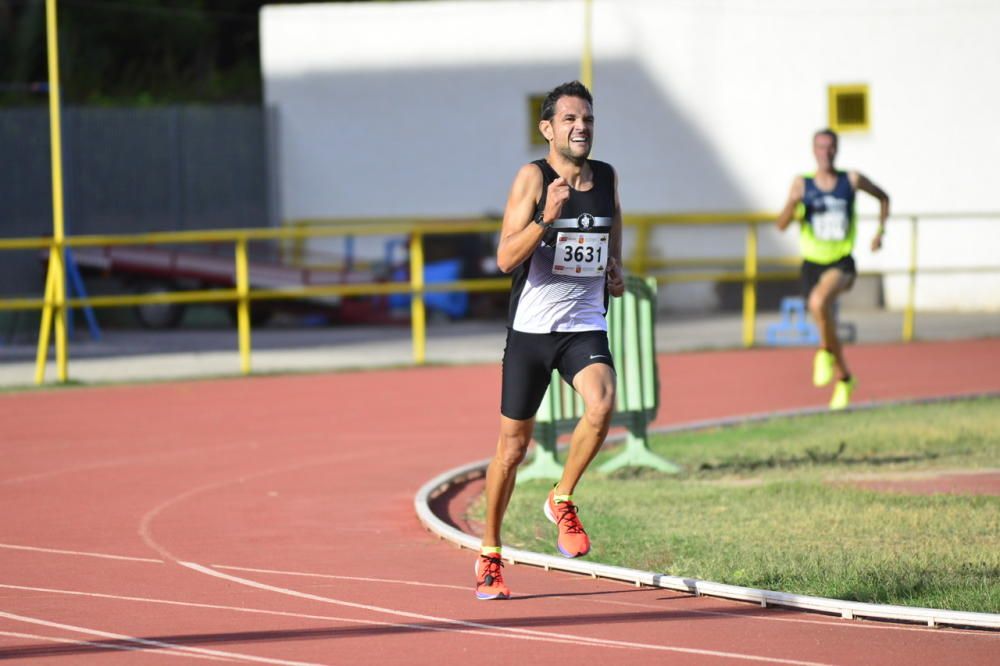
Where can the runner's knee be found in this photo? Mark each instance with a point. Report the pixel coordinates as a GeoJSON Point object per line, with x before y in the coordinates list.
{"type": "Point", "coordinates": [512, 448]}
{"type": "Point", "coordinates": [817, 304]}
{"type": "Point", "coordinates": [598, 410]}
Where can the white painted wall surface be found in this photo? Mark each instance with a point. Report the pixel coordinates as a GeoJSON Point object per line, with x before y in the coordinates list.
{"type": "Point", "coordinates": [702, 105]}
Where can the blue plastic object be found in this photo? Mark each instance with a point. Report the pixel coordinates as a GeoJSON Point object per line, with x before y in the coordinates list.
{"type": "Point", "coordinates": [455, 304]}
{"type": "Point", "coordinates": [794, 329]}
{"type": "Point", "coordinates": [74, 283]}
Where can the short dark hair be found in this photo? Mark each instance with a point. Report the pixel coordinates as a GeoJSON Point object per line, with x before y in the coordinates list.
{"type": "Point", "coordinates": [570, 89]}
{"type": "Point", "coordinates": [828, 132]}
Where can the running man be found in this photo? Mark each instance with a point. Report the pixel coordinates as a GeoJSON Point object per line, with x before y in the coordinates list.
{"type": "Point", "coordinates": [824, 204]}
{"type": "Point", "coordinates": [561, 240]}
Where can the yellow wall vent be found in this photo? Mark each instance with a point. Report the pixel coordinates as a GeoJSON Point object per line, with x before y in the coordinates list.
{"type": "Point", "coordinates": [849, 108]}
{"type": "Point", "coordinates": [535, 137]}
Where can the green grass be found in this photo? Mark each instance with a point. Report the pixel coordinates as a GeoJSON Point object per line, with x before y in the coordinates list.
{"type": "Point", "coordinates": [769, 505]}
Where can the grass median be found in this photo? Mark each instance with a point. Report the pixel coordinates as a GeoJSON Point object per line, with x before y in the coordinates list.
{"type": "Point", "coordinates": [775, 505]}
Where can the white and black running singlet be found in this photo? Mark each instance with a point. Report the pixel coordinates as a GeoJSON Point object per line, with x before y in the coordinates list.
{"type": "Point", "coordinates": [561, 287]}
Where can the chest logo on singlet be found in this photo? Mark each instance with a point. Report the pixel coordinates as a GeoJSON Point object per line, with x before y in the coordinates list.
{"type": "Point", "coordinates": [585, 221]}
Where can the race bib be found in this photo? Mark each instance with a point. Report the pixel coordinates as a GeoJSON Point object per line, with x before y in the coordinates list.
{"type": "Point", "coordinates": [832, 223]}
{"type": "Point", "coordinates": [584, 255]}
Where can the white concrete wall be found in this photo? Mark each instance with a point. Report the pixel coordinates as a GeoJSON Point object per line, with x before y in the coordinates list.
{"type": "Point", "coordinates": [702, 105]}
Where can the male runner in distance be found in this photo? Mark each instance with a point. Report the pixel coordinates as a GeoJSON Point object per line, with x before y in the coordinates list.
{"type": "Point", "coordinates": [825, 203]}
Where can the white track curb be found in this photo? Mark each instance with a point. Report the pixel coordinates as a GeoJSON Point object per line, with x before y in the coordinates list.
{"type": "Point", "coordinates": [846, 609]}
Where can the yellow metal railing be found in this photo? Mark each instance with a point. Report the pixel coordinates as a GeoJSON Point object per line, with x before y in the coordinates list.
{"type": "Point", "coordinates": [642, 263]}
{"type": "Point", "coordinates": [747, 271]}
{"type": "Point", "coordinates": [53, 309]}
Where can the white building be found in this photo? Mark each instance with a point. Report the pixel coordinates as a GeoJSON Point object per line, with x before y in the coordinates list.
{"type": "Point", "coordinates": [422, 109]}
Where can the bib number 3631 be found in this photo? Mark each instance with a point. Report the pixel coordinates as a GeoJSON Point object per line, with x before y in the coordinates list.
{"type": "Point", "coordinates": [584, 255]}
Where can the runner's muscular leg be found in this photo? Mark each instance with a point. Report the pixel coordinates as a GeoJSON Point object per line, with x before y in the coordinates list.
{"type": "Point", "coordinates": [596, 385]}
{"type": "Point", "coordinates": [515, 435]}
{"type": "Point", "coordinates": [831, 285]}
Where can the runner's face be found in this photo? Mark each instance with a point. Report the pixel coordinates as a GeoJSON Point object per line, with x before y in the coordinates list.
{"type": "Point", "coordinates": [825, 151]}
{"type": "Point", "coordinates": [571, 130]}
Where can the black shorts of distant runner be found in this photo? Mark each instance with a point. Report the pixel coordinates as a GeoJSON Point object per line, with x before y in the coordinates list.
{"type": "Point", "coordinates": [812, 272]}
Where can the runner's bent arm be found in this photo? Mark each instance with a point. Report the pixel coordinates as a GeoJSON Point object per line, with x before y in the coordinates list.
{"type": "Point", "coordinates": [519, 236]}
{"type": "Point", "coordinates": [787, 213]}
{"type": "Point", "coordinates": [861, 183]}
{"type": "Point", "coordinates": [616, 275]}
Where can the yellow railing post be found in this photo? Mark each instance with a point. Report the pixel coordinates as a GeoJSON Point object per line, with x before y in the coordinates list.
{"type": "Point", "coordinates": [587, 57]}
{"type": "Point", "coordinates": [908, 314]}
{"type": "Point", "coordinates": [299, 249]}
{"type": "Point", "coordinates": [59, 313]}
{"type": "Point", "coordinates": [55, 282]}
{"type": "Point", "coordinates": [41, 356]}
{"type": "Point", "coordinates": [418, 314]}
{"type": "Point", "coordinates": [750, 286]}
{"type": "Point", "coordinates": [243, 305]}
{"type": "Point", "coordinates": [641, 262]}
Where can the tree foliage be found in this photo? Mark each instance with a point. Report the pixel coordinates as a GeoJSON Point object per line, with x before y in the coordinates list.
{"type": "Point", "coordinates": [134, 51]}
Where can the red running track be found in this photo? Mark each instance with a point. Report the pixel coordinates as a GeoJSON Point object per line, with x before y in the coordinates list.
{"type": "Point", "coordinates": [269, 520]}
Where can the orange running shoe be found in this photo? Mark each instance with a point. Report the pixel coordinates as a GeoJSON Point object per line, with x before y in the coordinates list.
{"type": "Point", "coordinates": [489, 578]}
{"type": "Point", "coordinates": [573, 540]}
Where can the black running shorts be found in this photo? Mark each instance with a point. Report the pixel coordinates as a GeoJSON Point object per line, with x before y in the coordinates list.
{"type": "Point", "coordinates": [812, 272]}
{"type": "Point", "coordinates": [528, 361]}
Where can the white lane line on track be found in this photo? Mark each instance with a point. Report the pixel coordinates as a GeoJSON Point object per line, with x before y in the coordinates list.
{"type": "Point", "coordinates": [464, 588]}
{"type": "Point", "coordinates": [58, 551]}
{"type": "Point", "coordinates": [118, 462]}
{"type": "Point", "coordinates": [362, 579]}
{"type": "Point", "coordinates": [95, 644]}
{"type": "Point", "coordinates": [145, 523]}
{"type": "Point", "coordinates": [584, 640]}
{"type": "Point", "coordinates": [263, 611]}
{"type": "Point", "coordinates": [194, 652]}
{"type": "Point", "coordinates": [835, 623]}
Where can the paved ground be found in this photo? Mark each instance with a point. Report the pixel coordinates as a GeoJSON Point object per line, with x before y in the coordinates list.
{"type": "Point", "coordinates": [125, 355]}
{"type": "Point", "coordinates": [270, 520]}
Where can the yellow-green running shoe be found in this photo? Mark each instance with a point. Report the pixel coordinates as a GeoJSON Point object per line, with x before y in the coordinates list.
{"type": "Point", "coordinates": [822, 367]}
{"type": "Point", "coordinates": [842, 393]}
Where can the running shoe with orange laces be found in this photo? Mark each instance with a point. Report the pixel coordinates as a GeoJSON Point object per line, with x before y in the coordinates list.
{"type": "Point", "coordinates": [489, 578]}
{"type": "Point", "coordinates": [573, 540]}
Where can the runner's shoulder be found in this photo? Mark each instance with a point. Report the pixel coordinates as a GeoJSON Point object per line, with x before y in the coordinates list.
{"type": "Point", "coordinates": [529, 180]}
{"type": "Point", "coordinates": [599, 166]}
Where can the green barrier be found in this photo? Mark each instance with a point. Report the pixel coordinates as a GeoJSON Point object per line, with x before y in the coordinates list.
{"type": "Point", "coordinates": [631, 331]}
